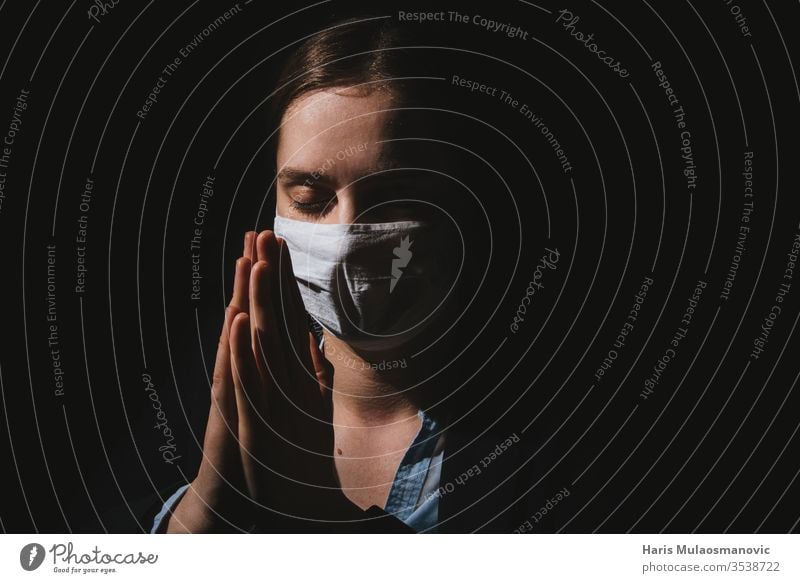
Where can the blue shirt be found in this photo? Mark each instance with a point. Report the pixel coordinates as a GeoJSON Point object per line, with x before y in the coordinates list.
{"type": "Point", "coordinates": [413, 496]}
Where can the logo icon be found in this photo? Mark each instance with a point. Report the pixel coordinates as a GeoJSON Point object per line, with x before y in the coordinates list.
{"type": "Point", "coordinates": [31, 556]}
{"type": "Point", "coordinates": [402, 257]}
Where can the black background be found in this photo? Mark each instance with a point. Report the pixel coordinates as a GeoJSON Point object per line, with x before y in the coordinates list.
{"type": "Point", "coordinates": [714, 448]}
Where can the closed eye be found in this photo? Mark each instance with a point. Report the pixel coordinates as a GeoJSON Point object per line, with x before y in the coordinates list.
{"type": "Point", "coordinates": [314, 208]}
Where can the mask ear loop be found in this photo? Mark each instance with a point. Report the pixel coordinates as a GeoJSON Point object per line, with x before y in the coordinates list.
{"type": "Point", "coordinates": [315, 328]}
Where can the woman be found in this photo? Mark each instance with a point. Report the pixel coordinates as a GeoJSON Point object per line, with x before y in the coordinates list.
{"type": "Point", "coordinates": [340, 428]}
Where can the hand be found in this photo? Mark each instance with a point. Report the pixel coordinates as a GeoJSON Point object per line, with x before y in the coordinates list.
{"type": "Point", "coordinates": [283, 394]}
{"type": "Point", "coordinates": [269, 437]}
{"type": "Point", "coordinates": [213, 502]}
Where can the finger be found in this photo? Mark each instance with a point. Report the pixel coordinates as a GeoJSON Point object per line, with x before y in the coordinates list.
{"type": "Point", "coordinates": [249, 244]}
{"type": "Point", "coordinates": [267, 246]}
{"type": "Point", "coordinates": [250, 401]}
{"type": "Point", "coordinates": [265, 293]}
{"type": "Point", "coordinates": [267, 344]}
{"type": "Point", "coordinates": [292, 324]}
{"type": "Point", "coordinates": [289, 323]}
{"type": "Point", "coordinates": [241, 282]}
{"type": "Point", "coordinates": [295, 320]}
{"type": "Point", "coordinates": [323, 369]}
{"type": "Point", "coordinates": [220, 441]}
{"type": "Point", "coordinates": [269, 251]}
{"type": "Point", "coordinates": [222, 381]}
{"type": "Point", "coordinates": [221, 436]}
{"type": "Point", "coordinates": [246, 379]}
{"type": "Point", "coordinates": [239, 303]}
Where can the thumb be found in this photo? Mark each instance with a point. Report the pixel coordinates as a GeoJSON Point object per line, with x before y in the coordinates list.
{"type": "Point", "coordinates": [322, 367]}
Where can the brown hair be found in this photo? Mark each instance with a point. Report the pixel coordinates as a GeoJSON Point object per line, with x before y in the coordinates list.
{"type": "Point", "coordinates": [365, 53]}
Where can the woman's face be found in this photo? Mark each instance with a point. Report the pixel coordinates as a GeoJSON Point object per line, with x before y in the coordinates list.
{"type": "Point", "coordinates": [345, 158]}
{"type": "Point", "coordinates": [335, 166]}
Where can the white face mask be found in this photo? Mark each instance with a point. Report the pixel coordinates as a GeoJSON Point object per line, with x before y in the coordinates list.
{"type": "Point", "coordinates": [374, 285]}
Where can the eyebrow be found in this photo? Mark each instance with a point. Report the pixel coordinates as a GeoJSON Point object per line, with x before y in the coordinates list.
{"type": "Point", "coordinates": [296, 176]}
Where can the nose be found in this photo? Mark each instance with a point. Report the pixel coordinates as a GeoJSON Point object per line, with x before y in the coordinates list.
{"type": "Point", "coordinates": [347, 207]}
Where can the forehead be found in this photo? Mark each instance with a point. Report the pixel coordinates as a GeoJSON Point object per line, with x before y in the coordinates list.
{"type": "Point", "coordinates": [319, 125]}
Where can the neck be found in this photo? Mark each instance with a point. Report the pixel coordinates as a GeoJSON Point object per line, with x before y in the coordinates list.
{"type": "Point", "coordinates": [373, 388]}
